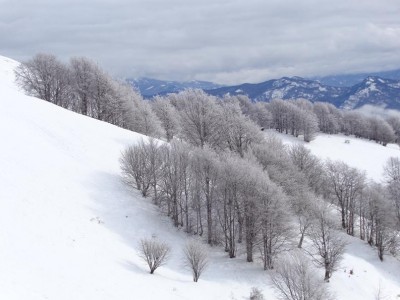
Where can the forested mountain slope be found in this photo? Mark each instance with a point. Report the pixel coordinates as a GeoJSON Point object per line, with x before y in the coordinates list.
{"type": "Point", "coordinates": [69, 227]}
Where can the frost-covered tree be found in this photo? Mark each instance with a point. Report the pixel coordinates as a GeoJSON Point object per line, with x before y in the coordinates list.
{"type": "Point", "coordinates": [256, 294]}
{"type": "Point", "coordinates": [237, 132]}
{"type": "Point", "coordinates": [205, 168]}
{"type": "Point", "coordinates": [382, 221]}
{"type": "Point", "coordinates": [232, 178]}
{"type": "Point", "coordinates": [274, 224]}
{"type": "Point", "coordinates": [144, 120]}
{"type": "Point", "coordinates": [196, 258]}
{"type": "Point", "coordinates": [327, 244]}
{"type": "Point", "coordinates": [309, 165]}
{"type": "Point", "coordinates": [173, 181]}
{"type": "Point", "coordinates": [45, 77]}
{"type": "Point", "coordinates": [135, 165]}
{"type": "Point", "coordinates": [392, 176]}
{"type": "Point", "coordinates": [199, 116]}
{"type": "Point", "coordinates": [167, 114]}
{"type": "Point", "coordinates": [328, 117]}
{"type": "Point", "coordinates": [261, 115]}
{"type": "Point", "coordinates": [83, 89]}
{"type": "Point", "coordinates": [345, 185]}
{"type": "Point", "coordinates": [279, 112]}
{"type": "Point", "coordinates": [294, 279]}
{"type": "Point", "coordinates": [394, 122]}
{"type": "Point", "coordinates": [309, 125]}
{"type": "Point", "coordinates": [354, 123]}
{"type": "Point", "coordinates": [380, 131]}
{"type": "Point", "coordinates": [153, 252]}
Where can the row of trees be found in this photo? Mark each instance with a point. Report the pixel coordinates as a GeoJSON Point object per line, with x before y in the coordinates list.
{"type": "Point", "coordinates": [82, 86]}
{"type": "Point", "coordinates": [156, 253]}
{"type": "Point", "coordinates": [295, 117]}
{"type": "Point", "coordinates": [227, 199]}
{"type": "Point", "coordinates": [257, 200]}
{"type": "Point", "coordinates": [367, 208]}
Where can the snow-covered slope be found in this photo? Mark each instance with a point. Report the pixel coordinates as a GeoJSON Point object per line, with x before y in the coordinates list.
{"type": "Point", "coordinates": [358, 153]}
{"type": "Point", "coordinates": [69, 227]}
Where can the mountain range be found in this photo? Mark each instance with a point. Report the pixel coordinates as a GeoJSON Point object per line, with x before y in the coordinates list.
{"type": "Point", "coordinates": [150, 87]}
{"type": "Point", "coordinates": [344, 91]}
{"type": "Point", "coordinates": [372, 90]}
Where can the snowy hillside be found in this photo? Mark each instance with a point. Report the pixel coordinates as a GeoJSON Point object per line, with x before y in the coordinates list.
{"type": "Point", "coordinates": [358, 153]}
{"type": "Point", "coordinates": [69, 227]}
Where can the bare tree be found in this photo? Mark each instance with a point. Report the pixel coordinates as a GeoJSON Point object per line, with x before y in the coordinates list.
{"type": "Point", "coordinates": [140, 164]}
{"type": "Point", "coordinates": [82, 71]}
{"type": "Point", "coordinates": [392, 169]}
{"type": "Point", "coordinates": [392, 176]}
{"type": "Point", "coordinates": [382, 221]}
{"type": "Point", "coordinates": [354, 123]}
{"type": "Point", "coordinates": [328, 117]}
{"type": "Point", "coordinates": [230, 180]}
{"type": "Point", "coordinates": [261, 115]}
{"type": "Point", "coordinates": [279, 112]}
{"type": "Point", "coordinates": [96, 94]}
{"type": "Point", "coordinates": [238, 131]}
{"type": "Point", "coordinates": [327, 245]}
{"type": "Point", "coordinates": [130, 162]}
{"type": "Point", "coordinates": [256, 294]}
{"type": "Point", "coordinates": [345, 184]}
{"type": "Point", "coordinates": [274, 224]}
{"type": "Point", "coordinates": [153, 252]}
{"type": "Point", "coordinates": [46, 78]}
{"type": "Point", "coordinates": [196, 258]}
{"type": "Point", "coordinates": [199, 113]}
{"type": "Point", "coordinates": [167, 114]}
{"type": "Point", "coordinates": [394, 121]}
{"type": "Point", "coordinates": [309, 165]}
{"type": "Point", "coordinates": [294, 279]}
{"type": "Point", "coordinates": [309, 125]}
{"type": "Point", "coordinates": [175, 181]}
{"type": "Point", "coordinates": [205, 168]}
{"type": "Point", "coordinates": [144, 120]}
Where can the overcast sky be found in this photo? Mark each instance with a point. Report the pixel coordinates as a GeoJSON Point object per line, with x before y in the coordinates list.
{"type": "Point", "coordinates": [216, 40]}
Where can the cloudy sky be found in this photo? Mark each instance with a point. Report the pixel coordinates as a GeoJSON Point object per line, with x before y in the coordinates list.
{"type": "Point", "coordinates": [225, 41]}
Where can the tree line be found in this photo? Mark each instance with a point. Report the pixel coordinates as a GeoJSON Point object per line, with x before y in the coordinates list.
{"type": "Point", "coordinates": [267, 201]}
{"type": "Point", "coordinates": [82, 86]}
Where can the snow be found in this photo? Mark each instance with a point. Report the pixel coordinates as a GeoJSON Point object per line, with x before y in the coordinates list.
{"type": "Point", "coordinates": [322, 89]}
{"type": "Point", "coordinates": [362, 154]}
{"type": "Point", "coordinates": [69, 227]}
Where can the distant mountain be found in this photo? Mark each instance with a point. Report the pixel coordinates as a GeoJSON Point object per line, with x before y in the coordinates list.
{"type": "Point", "coordinates": [284, 88]}
{"type": "Point", "coordinates": [149, 87]}
{"type": "Point", "coordinates": [375, 91]}
{"type": "Point", "coordinates": [352, 79]}
{"type": "Point", "coordinates": [372, 90]}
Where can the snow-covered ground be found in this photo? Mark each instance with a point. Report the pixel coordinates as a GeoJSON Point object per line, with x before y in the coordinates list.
{"type": "Point", "coordinates": [359, 153]}
{"type": "Point", "coordinates": [69, 227]}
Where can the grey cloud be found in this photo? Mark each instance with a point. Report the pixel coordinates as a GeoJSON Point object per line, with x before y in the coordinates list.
{"type": "Point", "coordinates": [224, 41]}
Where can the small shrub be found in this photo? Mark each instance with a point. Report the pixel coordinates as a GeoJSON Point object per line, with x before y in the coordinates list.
{"type": "Point", "coordinates": [154, 253]}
